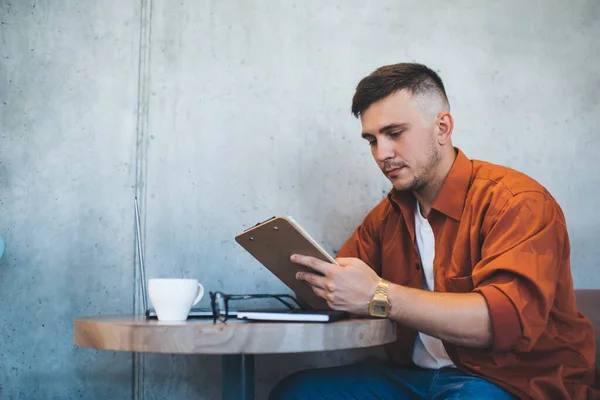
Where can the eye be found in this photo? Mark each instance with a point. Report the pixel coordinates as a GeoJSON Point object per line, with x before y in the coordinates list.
{"type": "Point", "coordinates": [370, 139]}
{"type": "Point", "coordinates": [396, 134]}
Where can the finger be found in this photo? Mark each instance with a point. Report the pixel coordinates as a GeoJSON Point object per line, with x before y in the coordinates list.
{"type": "Point", "coordinates": [323, 294]}
{"type": "Point", "coordinates": [320, 292]}
{"type": "Point", "coordinates": [313, 263]}
{"type": "Point", "coordinates": [313, 279]}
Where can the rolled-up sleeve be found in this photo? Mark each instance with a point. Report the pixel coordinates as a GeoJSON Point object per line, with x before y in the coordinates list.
{"type": "Point", "coordinates": [521, 254]}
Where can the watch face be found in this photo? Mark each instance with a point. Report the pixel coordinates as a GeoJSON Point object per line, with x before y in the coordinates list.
{"type": "Point", "coordinates": [380, 308]}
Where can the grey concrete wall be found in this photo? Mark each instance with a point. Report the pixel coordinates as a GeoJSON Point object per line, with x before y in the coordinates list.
{"type": "Point", "coordinates": [68, 106]}
{"type": "Point", "coordinates": [223, 113]}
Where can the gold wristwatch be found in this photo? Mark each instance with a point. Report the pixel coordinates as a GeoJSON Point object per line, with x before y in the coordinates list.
{"type": "Point", "coordinates": [379, 306]}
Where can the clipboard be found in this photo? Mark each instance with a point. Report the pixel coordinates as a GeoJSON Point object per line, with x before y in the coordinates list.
{"type": "Point", "coordinates": [273, 241]}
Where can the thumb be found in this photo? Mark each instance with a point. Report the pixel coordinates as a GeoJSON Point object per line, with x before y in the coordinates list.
{"type": "Point", "coordinates": [345, 261]}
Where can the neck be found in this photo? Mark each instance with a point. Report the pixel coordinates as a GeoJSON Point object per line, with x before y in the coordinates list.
{"type": "Point", "coordinates": [428, 193]}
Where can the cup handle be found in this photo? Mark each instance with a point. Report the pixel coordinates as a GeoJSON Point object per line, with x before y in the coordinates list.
{"type": "Point", "coordinates": [200, 294]}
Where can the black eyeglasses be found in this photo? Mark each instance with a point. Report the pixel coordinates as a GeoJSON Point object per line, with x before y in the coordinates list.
{"type": "Point", "coordinates": [219, 302]}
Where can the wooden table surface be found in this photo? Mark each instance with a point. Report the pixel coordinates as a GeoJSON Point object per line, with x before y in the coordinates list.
{"type": "Point", "coordinates": [200, 336]}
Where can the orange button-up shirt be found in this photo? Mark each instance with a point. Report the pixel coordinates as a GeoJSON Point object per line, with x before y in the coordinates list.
{"type": "Point", "coordinates": [501, 234]}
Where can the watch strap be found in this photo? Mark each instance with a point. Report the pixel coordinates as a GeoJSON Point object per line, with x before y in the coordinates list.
{"type": "Point", "coordinates": [382, 288]}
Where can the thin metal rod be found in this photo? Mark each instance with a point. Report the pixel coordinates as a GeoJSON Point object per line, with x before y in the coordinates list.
{"type": "Point", "coordinates": [141, 256]}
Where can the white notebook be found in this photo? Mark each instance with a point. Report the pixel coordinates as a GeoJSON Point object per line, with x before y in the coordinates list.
{"type": "Point", "coordinates": [292, 316]}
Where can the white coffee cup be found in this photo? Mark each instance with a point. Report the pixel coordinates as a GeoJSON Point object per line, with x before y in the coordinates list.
{"type": "Point", "coordinates": [172, 299]}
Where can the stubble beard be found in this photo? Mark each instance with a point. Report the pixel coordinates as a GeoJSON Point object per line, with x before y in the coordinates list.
{"type": "Point", "coordinates": [424, 172]}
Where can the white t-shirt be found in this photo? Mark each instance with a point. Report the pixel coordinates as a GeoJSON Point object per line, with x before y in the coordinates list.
{"type": "Point", "coordinates": [428, 352]}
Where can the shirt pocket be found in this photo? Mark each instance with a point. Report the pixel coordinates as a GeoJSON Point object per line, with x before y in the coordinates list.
{"type": "Point", "coordinates": [460, 284]}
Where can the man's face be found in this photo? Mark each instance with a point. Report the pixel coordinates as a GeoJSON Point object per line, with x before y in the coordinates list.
{"type": "Point", "coordinates": [402, 140]}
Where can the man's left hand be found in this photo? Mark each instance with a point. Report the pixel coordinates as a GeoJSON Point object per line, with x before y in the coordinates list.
{"type": "Point", "coordinates": [348, 286]}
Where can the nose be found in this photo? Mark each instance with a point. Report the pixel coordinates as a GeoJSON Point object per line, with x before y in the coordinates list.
{"type": "Point", "coordinates": [383, 150]}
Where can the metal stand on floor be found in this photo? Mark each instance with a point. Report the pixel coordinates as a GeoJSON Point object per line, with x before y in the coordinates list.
{"type": "Point", "coordinates": [237, 377]}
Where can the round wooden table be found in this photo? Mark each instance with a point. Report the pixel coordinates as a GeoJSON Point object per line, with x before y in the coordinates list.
{"type": "Point", "coordinates": [236, 341]}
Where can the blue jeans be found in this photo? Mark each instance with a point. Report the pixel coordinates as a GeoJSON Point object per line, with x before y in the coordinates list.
{"type": "Point", "coordinates": [385, 381]}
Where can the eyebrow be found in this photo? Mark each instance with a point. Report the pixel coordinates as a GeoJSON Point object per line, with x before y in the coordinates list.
{"type": "Point", "coordinates": [386, 128]}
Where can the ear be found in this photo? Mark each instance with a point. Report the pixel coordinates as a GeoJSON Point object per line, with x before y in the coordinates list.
{"type": "Point", "coordinates": [444, 127]}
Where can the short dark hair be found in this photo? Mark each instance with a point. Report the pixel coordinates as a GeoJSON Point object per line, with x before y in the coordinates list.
{"type": "Point", "coordinates": [386, 80]}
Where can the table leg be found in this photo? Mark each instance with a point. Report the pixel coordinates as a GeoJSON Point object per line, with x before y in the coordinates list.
{"type": "Point", "coordinates": [238, 377]}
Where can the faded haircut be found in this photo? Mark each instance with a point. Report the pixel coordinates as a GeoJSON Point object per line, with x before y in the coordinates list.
{"type": "Point", "coordinates": [424, 85]}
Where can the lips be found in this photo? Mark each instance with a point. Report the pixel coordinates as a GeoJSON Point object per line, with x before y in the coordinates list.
{"type": "Point", "coordinates": [393, 171]}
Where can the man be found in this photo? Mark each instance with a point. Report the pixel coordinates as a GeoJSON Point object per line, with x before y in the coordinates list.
{"type": "Point", "coordinates": [470, 259]}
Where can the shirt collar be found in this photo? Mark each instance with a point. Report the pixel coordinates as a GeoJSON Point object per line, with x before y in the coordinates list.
{"type": "Point", "coordinates": [451, 198]}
